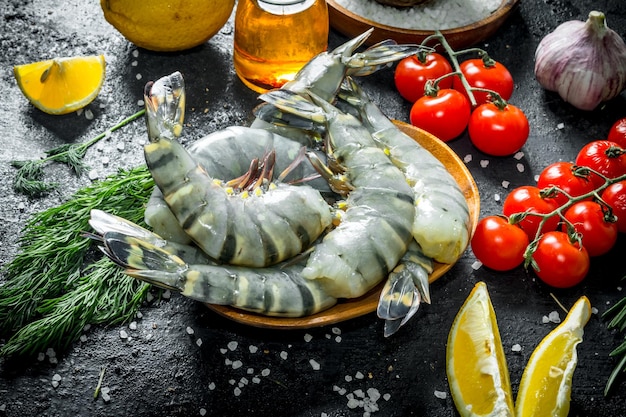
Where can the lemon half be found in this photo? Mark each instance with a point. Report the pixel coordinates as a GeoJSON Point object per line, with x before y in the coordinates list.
{"type": "Point", "coordinates": [61, 85]}
{"type": "Point", "coordinates": [167, 25]}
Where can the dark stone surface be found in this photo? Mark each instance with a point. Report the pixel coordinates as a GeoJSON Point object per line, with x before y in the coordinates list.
{"type": "Point", "coordinates": [168, 373]}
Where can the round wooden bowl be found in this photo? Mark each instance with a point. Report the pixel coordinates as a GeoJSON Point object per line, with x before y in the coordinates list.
{"type": "Point", "coordinates": [351, 308]}
{"type": "Point", "coordinates": [351, 24]}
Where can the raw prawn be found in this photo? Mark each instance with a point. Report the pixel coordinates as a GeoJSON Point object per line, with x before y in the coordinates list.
{"type": "Point", "coordinates": [274, 291]}
{"type": "Point", "coordinates": [258, 227]}
{"type": "Point", "coordinates": [324, 74]}
{"type": "Point", "coordinates": [441, 224]}
{"type": "Point", "coordinates": [376, 228]}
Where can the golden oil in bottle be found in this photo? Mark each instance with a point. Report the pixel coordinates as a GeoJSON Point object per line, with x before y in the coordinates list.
{"type": "Point", "coordinates": [275, 38]}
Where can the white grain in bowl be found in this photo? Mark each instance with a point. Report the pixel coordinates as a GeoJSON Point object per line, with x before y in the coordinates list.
{"type": "Point", "coordinates": [431, 15]}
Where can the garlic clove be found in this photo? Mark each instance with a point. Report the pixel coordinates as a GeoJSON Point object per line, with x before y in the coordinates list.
{"type": "Point", "coordinates": [585, 62]}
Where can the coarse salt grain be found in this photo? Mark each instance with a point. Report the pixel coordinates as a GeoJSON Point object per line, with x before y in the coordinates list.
{"type": "Point", "coordinates": [441, 395]}
{"type": "Point", "coordinates": [314, 364]}
{"type": "Point", "coordinates": [520, 167]}
{"type": "Point", "coordinates": [232, 345]}
{"type": "Point", "coordinates": [505, 184]}
{"type": "Point", "coordinates": [432, 15]}
{"type": "Point", "coordinates": [308, 337]}
{"type": "Point", "coordinates": [516, 347]}
{"type": "Point", "coordinates": [467, 159]}
{"type": "Point", "coordinates": [476, 265]}
{"type": "Point", "coordinates": [518, 155]}
{"type": "Point", "coordinates": [484, 163]}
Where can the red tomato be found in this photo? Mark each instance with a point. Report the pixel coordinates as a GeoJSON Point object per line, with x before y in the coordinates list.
{"type": "Point", "coordinates": [528, 199]}
{"type": "Point", "coordinates": [568, 178]}
{"type": "Point", "coordinates": [495, 78]}
{"type": "Point", "coordinates": [498, 244]}
{"type": "Point", "coordinates": [605, 157]}
{"type": "Point", "coordinates": [445, 115]}
{"type": "Point", "coordinates": [615, 196]}
{"type": "Point", "coordinates": [617, 133]}
{"type": "Point", "coordinates": [558, 262]}
{"type": "Point", "coordinates": [598, 233]}
{"type": "Point", "coordinates": [412, 73]}
{"type": "Point", "coordinates": [498, 132]}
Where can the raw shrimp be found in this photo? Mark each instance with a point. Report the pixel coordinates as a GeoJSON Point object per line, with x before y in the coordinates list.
{"type": "Point", "coordinates": [258, 227]}
{"type": "Point", "coordinates": [324, 74]}
{"type": "Point", "coordinates": [274, 291]}
{"type": "Point", "coordinates": [376, 228]}
{"type": "Point", "coordinates": [441, 224]}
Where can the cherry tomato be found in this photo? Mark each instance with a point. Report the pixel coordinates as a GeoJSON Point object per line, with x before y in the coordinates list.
{"type": "Point", "coordinates": [412, 73]}
{"type": "Point", "coordinates": [528, 198]}
{"type": "Point", "coordinates": [495, 77]}
{"type": "Point", "coordinates": [598, 233]}
{"type": "Point", "coordinates": [496, 131]}
{"type": "Point", "coordinates": [615, 196]}
{"type": "Point", "coordinates": [558, 262]}
{"type": "Point", "coordinates": [567, 177]}
{"type": "Point", "coordinates": [605, 157]}
{"type": "Point", "coordinates": [617, 133]}
{"type": "Point", "coordinates": [445, 115]}
{"type": "Point", "coordinates": [498, 244]}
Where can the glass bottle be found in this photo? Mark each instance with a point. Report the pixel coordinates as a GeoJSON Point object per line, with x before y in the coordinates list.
{"type": "Point", "coordinates": [275, 38]}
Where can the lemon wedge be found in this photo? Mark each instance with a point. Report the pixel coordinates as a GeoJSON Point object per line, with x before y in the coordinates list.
{"type": "Point", "coordinates": [61, 85]}
{"type": "Point", "coordinates": [547, 379]}
{"type": "Point", "coordinates": [475, 361]}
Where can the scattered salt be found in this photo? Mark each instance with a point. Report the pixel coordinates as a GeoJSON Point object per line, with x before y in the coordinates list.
{"type": "Point", "coordinates": [232, 345]}
{"type": "Point", "coordinates": [253, 349]}
{"type": "Point", "coordinates": [386, 397]}
{"type": "Point", "coordinates": [554, 317]}
{"type": "Point", "coordinates": [199, 342]}
{"type": "Point", "coordinates": [336, 330]}
{"type": "Point", "coordinates": [560, 126]}
{"type": "Point", "coordinates": [359, 375]}
{"type": "Point", "coordinates": [237, 391]}
{"type": "Point", "coordinates": [338, 339]}
{"type": "Point", "coordinates": [348, 378]}
{"type": "Point", "coordinates": [250, 371]}
{"type": "Point", "coordinates": [134, 64]}
{"type": "Point", "coordinates": [308, 337]}
{"type": "Point", "coordinates": [237, 364]}
{"type": "Point", "coordinates": [484, 163]}
{"type": "Point", "coordinates": [135, 53]}
{"type": "Point", "coordinates": [212, 386]}
{"type": "Point", "coordinates": [441, 395]}
{"type": "Point", "coordinates": [496, 197]}
{"type": "Point", "coordinates": [138, 76]}
{"type": "Point", "coordinates": [223, 351]}
{"type": "Point", "coordinates": [505, 184]}
{"type": "Point", "coordinates": [476, 265]}
{"type": "Point", "coordinates": [468, 158]}
{"type": "Point", "coordinates": [373, 394]}
{"type": "Point", "coordinates": [190, 330]}
{"type": "Point", "coordinates": [545, 320]}
{"type": "Point", "coordinates": [203, 411]}
{"type": "Point", "coordinates": [594, 310]}
{"type": "Point", "coordinates": [88, 114]}
{"type": "Point", "coordinates": [256, 380]}
{"type": "Point", "coordinates": [516, 347]}
{"type": "Point", "coordinates": [132, 325]}
{"type": "Point", "coordinates": [314, 364]}
{"type": "Point", "coordinates": [265, 372]}
{"type": "Point", "coordinates": [167, 294]}
{"type": "Point", "coordinates": [93, 174]}
{"type": "Point", "coordinates": [121, 146]}
{"type": "Point", "coordinates": [83, 338]}
{"type": "Point", "coordinates": [520, 167]}
{"type": "Point", "coordinates": [123, 334]}
{"type": "Point", "coordinates": [283, 355]}
{"type": "Point", "coordinates": [518, 155]}
{"type": "Point", "coordinates": [41, 356]}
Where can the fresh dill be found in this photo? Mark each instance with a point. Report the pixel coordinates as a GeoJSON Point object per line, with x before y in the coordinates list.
{"type": "Point", "coordinates": [29, 177]}
{"type": "Point", "coordinates": [51, 291]}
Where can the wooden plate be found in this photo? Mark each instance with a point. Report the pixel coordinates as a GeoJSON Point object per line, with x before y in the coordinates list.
{"type": "Point", "coordinates": [351, 24]}
{"type": "Point", "coordinates": [348, 309]}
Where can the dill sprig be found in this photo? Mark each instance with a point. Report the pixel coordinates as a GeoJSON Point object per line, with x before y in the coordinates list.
{"type": "Point", "coordinates": [48, 296]}
{"type": "Point", "coordinates": [29, 177]}
{"type": "Point", "coordinates": [618, 321]}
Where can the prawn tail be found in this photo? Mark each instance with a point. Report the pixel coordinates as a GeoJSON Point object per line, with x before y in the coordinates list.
{"type": "Point", "coordinates": [165, 106]}
{"type": "Point", "coordinates": [379, 56]}
{"type": "Point", "coordinates": [144, 261]}
{"type": "Point", "coordinates": [406, 288]}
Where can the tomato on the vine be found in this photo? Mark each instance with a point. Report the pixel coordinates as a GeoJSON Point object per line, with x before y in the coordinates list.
{"type": "Point", "coordinates": [598, 233]}
{"type": "Point", "coordinates": [615, 196]}
{"type": "Point", "coordinates": [498, 129]}
{"type": "Point", "coordinates": [444, 115]}
{"type": "Point", "coordinates": [617, 133]}
{"type": "Point", "coordinates": [492, 76]}
{"type": "Point", "coordinates": [498, 244]}
{"type": "Point", "coordinates": [567, 177]}
{"type": "Point", "coordinates": [605, 157]}
{"type": "Point", "coordinates": [412, 73]}
{"type": "Point", "coordinates": [528, 199]}
{"type": "Point", "coordinates": [558, 261]}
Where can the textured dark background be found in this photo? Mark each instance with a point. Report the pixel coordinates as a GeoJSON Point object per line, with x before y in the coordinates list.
{"type": "Point", "coordinates": [161, 370]}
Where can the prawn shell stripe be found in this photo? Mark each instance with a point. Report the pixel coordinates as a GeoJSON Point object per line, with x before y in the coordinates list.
{"type": "Point", "coordinates": [271, 291]}
{"type": "Point", "coordinates": [251, 229]}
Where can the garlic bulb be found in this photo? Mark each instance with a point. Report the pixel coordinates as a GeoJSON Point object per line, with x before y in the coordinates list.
{"type": "Point", "coordinates": [585, 62]}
